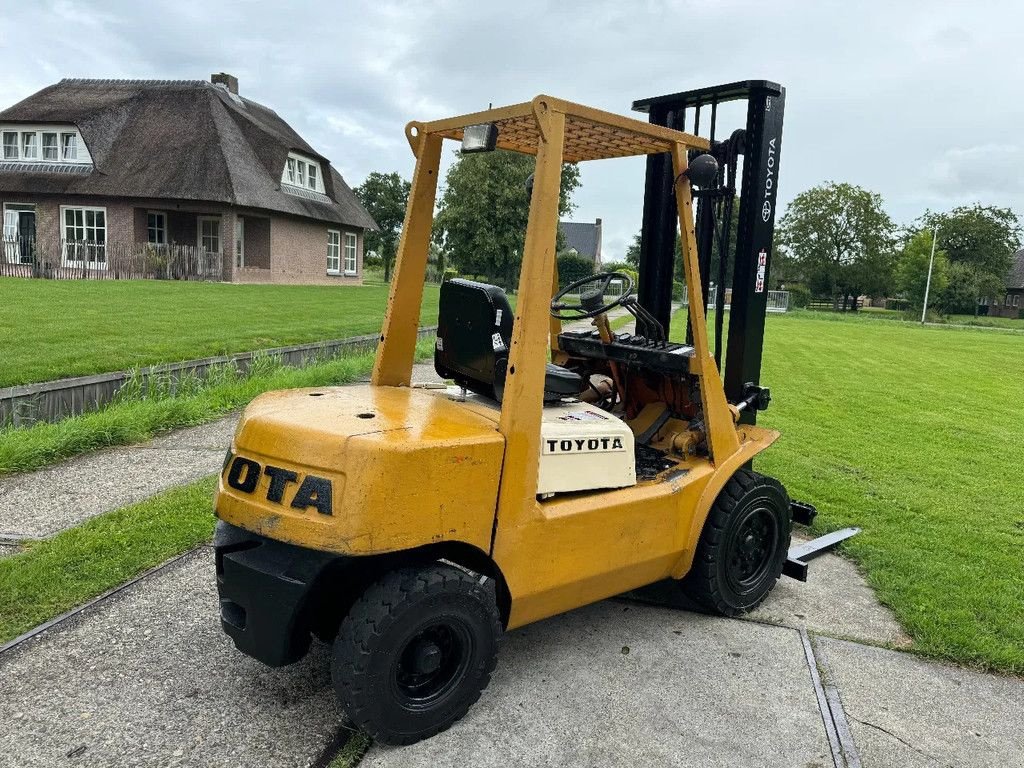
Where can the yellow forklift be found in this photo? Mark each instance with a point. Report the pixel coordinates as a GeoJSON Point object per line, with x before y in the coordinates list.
{"type": "Point", "coordinates": [410, 525]}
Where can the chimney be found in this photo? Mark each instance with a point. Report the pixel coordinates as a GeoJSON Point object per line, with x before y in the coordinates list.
{"type": "Point", "coordinates": [228, 81]}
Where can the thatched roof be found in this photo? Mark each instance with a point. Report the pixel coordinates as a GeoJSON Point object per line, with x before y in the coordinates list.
{"type": "Point", "coordinates": [181, 140]}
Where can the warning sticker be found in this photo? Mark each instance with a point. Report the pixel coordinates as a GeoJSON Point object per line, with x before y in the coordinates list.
{"type": "Point", "coordinates": [497, 342]}
{"type": "Point", "coordinates": [762, 268]}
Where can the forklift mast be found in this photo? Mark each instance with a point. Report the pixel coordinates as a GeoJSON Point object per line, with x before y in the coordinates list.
{"type": "Point", "coordinates": [760, 145]}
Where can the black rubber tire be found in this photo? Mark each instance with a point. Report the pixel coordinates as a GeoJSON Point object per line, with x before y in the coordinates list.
{"type": "Point", "coordinates": [749, 504]}
{"type": "Point", "coordinates": [379, 633]}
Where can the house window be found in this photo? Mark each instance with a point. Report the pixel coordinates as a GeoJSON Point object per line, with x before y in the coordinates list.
{"type": "Point", "coordinates": [69, 146]}
{"type": "Point", "coordinates": [1016, 300]}
{"type": "Point", "coordinates": [50, 146]}
{"type": "Point", "coordinates": [10, 145]}
{"type": "Point", "coordinates": [209, 234]}
{"type": "Point", "coordinates": [156, 228]}
{"type": "Point", "coordinates": [303, 172]}
{"type": "Point", "coordinates": [1006, 301]}
{"type": "Point", "coordinates": [85, 236]}
{"type": "Point", "coordinates": [239, 242]}
{"type": "Point", "coordinates": [333, 252]}
{"type": "Point", "coordinates": [29, 146]}
{"type": "Point", "coordinates": [350, 253]}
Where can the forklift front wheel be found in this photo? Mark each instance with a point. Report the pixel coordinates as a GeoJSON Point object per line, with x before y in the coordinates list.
{"type": "Point", "coordinates": [743, 545]}
{"type": "Point", "coordinates": [415, 651]}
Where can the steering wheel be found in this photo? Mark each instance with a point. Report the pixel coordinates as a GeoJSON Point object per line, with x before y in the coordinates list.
{"type": "Point", "coordinates": [591, 300]}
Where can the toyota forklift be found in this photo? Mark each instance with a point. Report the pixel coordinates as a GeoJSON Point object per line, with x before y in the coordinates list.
{"type": "Point", "coordinates": [409, 524]}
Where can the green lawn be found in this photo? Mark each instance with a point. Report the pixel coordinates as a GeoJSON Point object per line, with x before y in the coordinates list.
{"type": "Point", "coordinates": [914, 434]}
{"type": "Point", "coordinates": [55, 328]}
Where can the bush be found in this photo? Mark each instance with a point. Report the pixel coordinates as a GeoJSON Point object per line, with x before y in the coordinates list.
{"type": "Point", "coordinates": [678, 291]}
{"type": "Point", "coordinates": [799, 296]}
{"type": "Point", "coordinates": [573, 267]}
{"type": "Point", "coordinates": [372, 261]}
{"type": "Point", "coordinates": [618, 266]}
{"type": "Point", "coordinates": [449, 273]}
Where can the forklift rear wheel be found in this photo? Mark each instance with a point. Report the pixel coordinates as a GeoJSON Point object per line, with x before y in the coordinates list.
{"type": "Point", "coordinates": [743, 545]}
{"type": "Point", "coordinates": [415, 651]}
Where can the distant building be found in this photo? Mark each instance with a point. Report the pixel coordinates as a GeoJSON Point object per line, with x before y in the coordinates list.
{"type": "Point", "coordinates": [582, 237]}
{"type": "Point", "coordinates": [95, 172]}
{"type": "Point", "coordinates": [1010, 304]}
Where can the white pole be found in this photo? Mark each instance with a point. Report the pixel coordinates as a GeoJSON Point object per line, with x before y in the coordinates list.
{"type": "Point", "coordinates": [928, 282]}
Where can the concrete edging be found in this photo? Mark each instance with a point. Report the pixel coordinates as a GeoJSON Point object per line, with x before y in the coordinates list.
{"type": "Point", "coordinates": [49, 401]}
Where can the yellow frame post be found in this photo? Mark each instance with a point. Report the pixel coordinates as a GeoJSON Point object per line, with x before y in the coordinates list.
{"type": "Point", "coordinates": [524, 384]}
{"type": "Point", "coordinates": [718, 421]}
{"type": "Point", "coordinates": [393, 364]}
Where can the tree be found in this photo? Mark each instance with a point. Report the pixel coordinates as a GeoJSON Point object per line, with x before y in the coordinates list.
{"type": "Point", "coordinates": [843, 240]}
{"type": "Point", "coordinates": [482, 216]}
{"type": "Point", "coordinates": [980, 241]}
{"type": "Point", "coordinates": [573, 267]}
{"type": "Point", "coordinates": [384, 195]}
{"type": "Point", "coordinates": [912, 270]}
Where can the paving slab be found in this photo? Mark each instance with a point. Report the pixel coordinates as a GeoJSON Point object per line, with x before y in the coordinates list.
{"type": "Point", "coordinates": [906, 712]}
{"type": "Point", "coordinates": [8, 549]}
{"type": "Point", "coordinates": [147, 678]}
{"type": "Point", "coordinates": [615, 684]}
{"type": "Point", "coordinates": [40, 504]}
{"type": "Point", "coordinates": [835, 600]}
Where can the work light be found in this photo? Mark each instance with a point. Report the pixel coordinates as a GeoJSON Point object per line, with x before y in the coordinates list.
{"type": "Point", "coordinates": [479, 138]}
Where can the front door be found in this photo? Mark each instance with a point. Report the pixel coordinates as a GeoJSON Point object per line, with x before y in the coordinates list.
{"type": "Point", "coordinates": [19, 233]}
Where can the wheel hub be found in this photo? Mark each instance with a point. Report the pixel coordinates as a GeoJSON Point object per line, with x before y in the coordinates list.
{"type": "Point", "coordinates": [427, 658]}
{"type": "Point", "coordinates": [753, 548]}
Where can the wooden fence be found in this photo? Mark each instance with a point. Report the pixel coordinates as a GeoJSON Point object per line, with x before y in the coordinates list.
{"type": "Point", "coordinates": [82, 260]}
{"type": "Point", "coordinates": [50, 401]}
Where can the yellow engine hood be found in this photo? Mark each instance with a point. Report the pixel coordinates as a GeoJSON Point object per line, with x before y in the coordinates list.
{"type": "Point", "coordinates": [404, 467]}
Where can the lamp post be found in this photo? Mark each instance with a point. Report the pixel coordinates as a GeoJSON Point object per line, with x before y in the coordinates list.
{"type": "Point", "coordinates": [928, 282]}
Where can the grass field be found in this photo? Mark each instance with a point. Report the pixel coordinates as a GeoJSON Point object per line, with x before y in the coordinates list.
{"type": "Point", "coordinates": [914, 434]}
{"type": "Point", "coordinates": [55, 328]}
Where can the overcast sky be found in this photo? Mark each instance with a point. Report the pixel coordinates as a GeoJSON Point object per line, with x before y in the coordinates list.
{"type": "Point", "coordinates": [922, 102]}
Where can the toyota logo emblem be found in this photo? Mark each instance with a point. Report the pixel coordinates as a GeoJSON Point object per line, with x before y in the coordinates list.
{"type": "Point", "coordinates": [766, 211]}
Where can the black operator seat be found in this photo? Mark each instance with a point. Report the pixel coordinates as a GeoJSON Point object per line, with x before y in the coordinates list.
{"type": "Point", "coordinates": [474, 332]}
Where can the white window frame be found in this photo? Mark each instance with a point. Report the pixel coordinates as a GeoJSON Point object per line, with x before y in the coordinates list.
{"type": "Point", "coordinates": [296, 173]}
{"type": "Point", "coordinates": [72, 156]}
{"type": "Point", "coordinates": [43, 147]}
{"type": "Point", "coordinates": [200, 220]}
{"type": "Point", "coordinates": [16, 145]}
{"type": "Point", "coordinates": [1016, 299]}
{"type": "Point", "coordinates": [239, 241]}
{"type": "Point", "coordinates": [93, 263]}
{"type": "Point", "coordinates": [333, 252]}
{"type": "Point", "coordinates": [30, 139]}
{"type": "Point", "coordinates": [353, 255]}
{"type": "Point", "coordinates": [161, 227]}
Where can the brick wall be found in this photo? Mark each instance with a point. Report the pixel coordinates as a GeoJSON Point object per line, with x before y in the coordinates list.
{"type": "Point", "coordinates": [298, 249]}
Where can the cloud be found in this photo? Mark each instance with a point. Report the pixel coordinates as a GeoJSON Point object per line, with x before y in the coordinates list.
{"type": "Point", "coordinates": [918, 102]}
{"type": "Point", "coordinates": [988, 169]}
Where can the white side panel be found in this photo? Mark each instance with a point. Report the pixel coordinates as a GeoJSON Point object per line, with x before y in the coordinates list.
{"type": "Point", "coordinates": [584, 448]}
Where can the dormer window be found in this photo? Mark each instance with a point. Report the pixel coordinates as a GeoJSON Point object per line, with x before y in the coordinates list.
{"type": "Point", "coordinates": [43, 144]}
{"type": "Point", "coordinates": [304, 172]}
{"type": "Point", "coordinates": [69, 146]}
{"type": "Point", "coordinates": [29, 145]}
